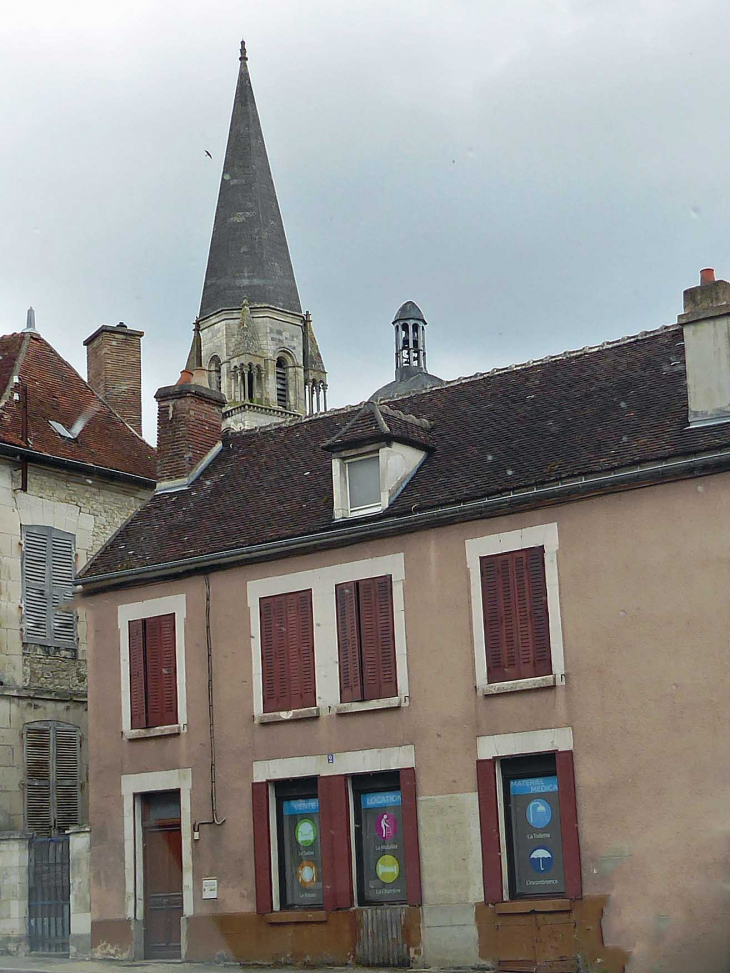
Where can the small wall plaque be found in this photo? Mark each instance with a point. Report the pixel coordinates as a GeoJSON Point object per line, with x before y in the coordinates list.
{"type": "Point", "coordinates": [210, 888]}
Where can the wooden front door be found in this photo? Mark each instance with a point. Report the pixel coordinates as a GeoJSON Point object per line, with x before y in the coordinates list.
{"type": "Point", "coordinates": [162, 851]}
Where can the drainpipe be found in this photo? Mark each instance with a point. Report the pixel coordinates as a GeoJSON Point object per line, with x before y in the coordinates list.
{"type": "Point", "coordinates": [214, 819]}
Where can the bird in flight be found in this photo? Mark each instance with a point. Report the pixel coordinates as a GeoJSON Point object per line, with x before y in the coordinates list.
{"type": "Point", "coordinates": [208, 154]}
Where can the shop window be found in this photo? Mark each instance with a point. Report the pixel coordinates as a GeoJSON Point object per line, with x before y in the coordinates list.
{"type": "Point", "coordinates": [287, 651]}
{"type": "Point", "coordinates": [380, 847]}
{"type": "Point", "coordinates": [299, 844]}
{"type": "Point", "coordinates": [153, 671]}
{"type": "Point", "coordinates": [532, 826]}
{"type": "Point", "coordinates": [366, 640]}
{"type": "Point", "coordinates": [516, 625]}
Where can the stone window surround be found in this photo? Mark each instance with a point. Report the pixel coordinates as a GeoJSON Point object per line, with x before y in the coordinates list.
{"type": "Point", "coordinates": [517, 745]}
{"type": "Point", "coordinates": [346, 763]}
{"type": "Point", "coordinates": [133, 786]}
{"type": "Point", "coordinates": [543, 535]}
{"type": "Point", "coordinates": [322, 583]}
{"type": "Point", "coordinates": [170, 604]}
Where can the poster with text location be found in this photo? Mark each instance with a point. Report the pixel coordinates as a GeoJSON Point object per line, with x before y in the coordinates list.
{"type": "Point", "coordinates": [302, 852]}
{"type": "Point", "coordinates": [536, 838]}
{"type": "Point", "coordinates": [382, 846]}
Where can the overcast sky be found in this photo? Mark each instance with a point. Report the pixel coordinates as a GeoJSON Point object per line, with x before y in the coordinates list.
{"type": "Point", "coordinates": [538, 175]}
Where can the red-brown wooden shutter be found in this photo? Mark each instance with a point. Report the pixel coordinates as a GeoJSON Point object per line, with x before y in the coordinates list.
{"type": "Point", "coordinates": [261, 846]}
{"type": "Point", "coordinates": [137, 675]}
{"type": "Point", "coordinates": [153, 670]}
{"type": "Point", "coordinates": [334, 821]}
{"type": "Point", "coordinates": [348, 642]}
{"type": "Point", "coordinates": [539, 611]}
{"type": "Point", "coordinates": [377, 638]}
{"type": "Point", "coordinates": [489, 825]}
{"type": "Point", "coordinates": [168, 677]}
{"type": "Point", "coordinates": [514, 605]}
{"type": "Point", "coordinates": [569, 824]}
{"type": "Point", "coordinates": [287, 651]}
{"type": "Point", "coordinates": [411, 851]}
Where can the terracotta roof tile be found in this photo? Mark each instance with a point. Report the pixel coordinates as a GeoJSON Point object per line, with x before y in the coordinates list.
{"type": "Point", "coordinates": [596, 410]}
{"type": "Point", "coordinates": [57, 392]}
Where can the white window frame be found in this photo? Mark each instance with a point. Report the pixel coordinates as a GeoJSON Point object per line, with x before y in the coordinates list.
{"type": "Point", "coordinates": [543, 535]}
{"type": "Point", "coordinates": [521, 744]}
{"type": "Point", "coordinates": [367, 508]}
{"type": "Point", "coordinates": [133, 787]}
{"type": "Point", "coordinates": [322, 582]}
{"type": "Point", "coordinates": [347, 763]}
{"type": "Point", "coordinates": [169, 605]}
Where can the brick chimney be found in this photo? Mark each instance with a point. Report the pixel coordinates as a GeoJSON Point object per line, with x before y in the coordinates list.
{"type": "Point", "coordinates": [706, 327]}
{"type": "Point", "coordinates": [189, 420]}
{"type": "Point", "coordinates": [114, 370]}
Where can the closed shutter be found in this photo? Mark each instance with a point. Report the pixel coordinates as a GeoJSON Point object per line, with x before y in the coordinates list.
{"type": "Point", "coordinates": [48, 567]}
{"type": "Point", "coordinates": [36, 595]}
{"type": "Point", "coordinates": [377, 638]}
{"type": "Point", "coordinates": [137, 692]}
{"type": "Point", "coordinates": [287, 651]}
{"type": "Point", "coordinates": [168, 678]}
{"type": "Point", "coordinates": [261, 846]}
{"type": "Point", "coordinates": [52, 776]}
{"type": "Point", "coordinates": [411, 852]}
{"type": "Point", "coordinates": [348, 641]}
{"type": "Point", "coordinates": [334, 823]}
{"type": "Point", "coordinates": [38, 777]}
{"type": "Point", "coordinates": [514, 605]}
{"type": "Point", "coordinates": [160, 670]}
{"type": "Point", "coordinates": [569, 824]}
{"type": "Point", "coordinates": [489, 826]}
{"type": "Point", "coordinates": [63, 556]}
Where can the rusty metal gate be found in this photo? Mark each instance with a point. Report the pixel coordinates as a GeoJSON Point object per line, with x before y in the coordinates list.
{"type": "Point", "coordinates": [49, 909]}
{"type": "Point", "coordinates": [380, 940]}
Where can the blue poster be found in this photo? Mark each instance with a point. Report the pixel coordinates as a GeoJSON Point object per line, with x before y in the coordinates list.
{"type": "Point", "coordinates": [381, 799]}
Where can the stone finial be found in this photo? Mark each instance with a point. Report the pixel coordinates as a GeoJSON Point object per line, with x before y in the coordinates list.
{"type": "Point", "coordinates": [30, 320]}
{"type": "Point", "coordinates": [244, 55]}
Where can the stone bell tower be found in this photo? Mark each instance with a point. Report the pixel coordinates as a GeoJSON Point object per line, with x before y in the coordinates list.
{"type": "Point", "coordinates": [257, 345]}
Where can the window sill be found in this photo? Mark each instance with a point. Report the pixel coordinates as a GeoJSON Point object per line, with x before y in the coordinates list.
{"type": "Point", "coordinates": [515, 685]}
{"type": "Point", "coordinates": [390, 702]}
{"type": "Point", "coordinates": [533, 905]}
{"type": "Point", "coordinates": [308, 713]}
{"type": "Point", "coordinates": [279, 918]}
{"type": "Point", "coordinates": [146, 732]}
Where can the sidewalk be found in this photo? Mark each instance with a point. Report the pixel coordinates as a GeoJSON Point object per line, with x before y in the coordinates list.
{"type": "Point", "coordinates": [48, 964]}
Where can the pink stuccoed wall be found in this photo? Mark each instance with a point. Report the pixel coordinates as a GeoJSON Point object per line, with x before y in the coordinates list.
{"type": "Point", "coordinates": [645, 604]}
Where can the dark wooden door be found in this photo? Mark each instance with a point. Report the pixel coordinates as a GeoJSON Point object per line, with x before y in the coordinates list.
{"type": "Point", "coordinates": [163, 905]}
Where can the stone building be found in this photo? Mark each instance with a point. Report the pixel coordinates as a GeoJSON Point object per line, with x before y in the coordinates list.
{"type": "Point", "coordinates": [439, 680]}
{"type": "Point", "coordinates": [73, 467]}
{"type": "Point", "coordinates": [258, 346]}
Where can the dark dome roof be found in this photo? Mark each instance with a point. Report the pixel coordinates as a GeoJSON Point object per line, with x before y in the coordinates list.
{"type": "Point", "coordinates": [414, 383]}
{"type": "Point", "coordinates": [409, 311]}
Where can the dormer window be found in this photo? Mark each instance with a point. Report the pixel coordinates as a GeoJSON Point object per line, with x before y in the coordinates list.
{"type": "Point", "coordinates": [363, 484]}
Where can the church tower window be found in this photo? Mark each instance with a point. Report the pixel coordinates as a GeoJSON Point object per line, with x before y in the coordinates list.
{"type": "Point", "coordinates": [281, 384]}
{"type": "Point", "coordinates": [215, 375]}
{"type": "Point", "coordinates": [250, 383]}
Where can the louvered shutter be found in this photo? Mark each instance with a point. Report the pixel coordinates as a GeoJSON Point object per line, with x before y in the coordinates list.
{"type": "Point", "coordinates": [514, 605]}
{"type": "Point", "coordinates": [66, 775]}
{"type": "Point", "coordinates": [348, 642]}
{"type": "Point", "coordinates": [269, 681]}
{"type": "Point", "coordinates": [334, 824]}
{"type": "Point", "coordinates": [287, 651]}
{"type": "Point", "coordinates": [63, 557]}
{"type": "Point", "coordinates": [569, 824]}
{"type": "Point", "coordinates": [137, 692]}
{"type": "Point", "coordinates": [377, 638]}
{"type": "Point", "coordinates": [168, 677]}
{"type": "Point", "coordinates": [38, 778]}
{"type": "Point", "coordinates": [411, 852]}
{"type": "Point", "coordinates": [52, 776]}
{"type": "Point", "coordinates": [37, 611]}
{"type": "Point", "coordinates": [489, 826]}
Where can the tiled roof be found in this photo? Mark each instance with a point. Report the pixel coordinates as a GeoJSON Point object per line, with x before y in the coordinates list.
{"type": "Point", "coordinates": [56, 391]}
{"type": "Point", "coordinates": [378, 423]}
{"type": "Point", "coordinates": [584, 412]}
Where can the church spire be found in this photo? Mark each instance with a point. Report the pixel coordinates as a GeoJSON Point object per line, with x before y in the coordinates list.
{"type": "Point", "coordinates": [248, 257]}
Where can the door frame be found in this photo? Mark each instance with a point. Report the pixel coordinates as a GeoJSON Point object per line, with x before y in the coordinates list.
{"type": "Point", "coordinates": [133, 786]}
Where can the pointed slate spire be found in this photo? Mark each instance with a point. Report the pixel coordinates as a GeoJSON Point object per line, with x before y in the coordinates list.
{"type": "Point", "coordinates": [249, 256]}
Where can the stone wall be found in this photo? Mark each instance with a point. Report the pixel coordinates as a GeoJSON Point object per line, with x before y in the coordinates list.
{"type": "Point", "coordinates": [37, 682]}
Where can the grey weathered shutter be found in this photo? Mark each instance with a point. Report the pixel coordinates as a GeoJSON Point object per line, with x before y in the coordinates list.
{"type": "Point", "coordinates": [36, 587]}
{"type": "Point", "coordinates": [63, 556]}
{"type": "Point", "coordinates": [52, 776]}
{"type": "Point", "coordinates": [66, 774]}
{"type": "Point", "coordinates": [38, 776]}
